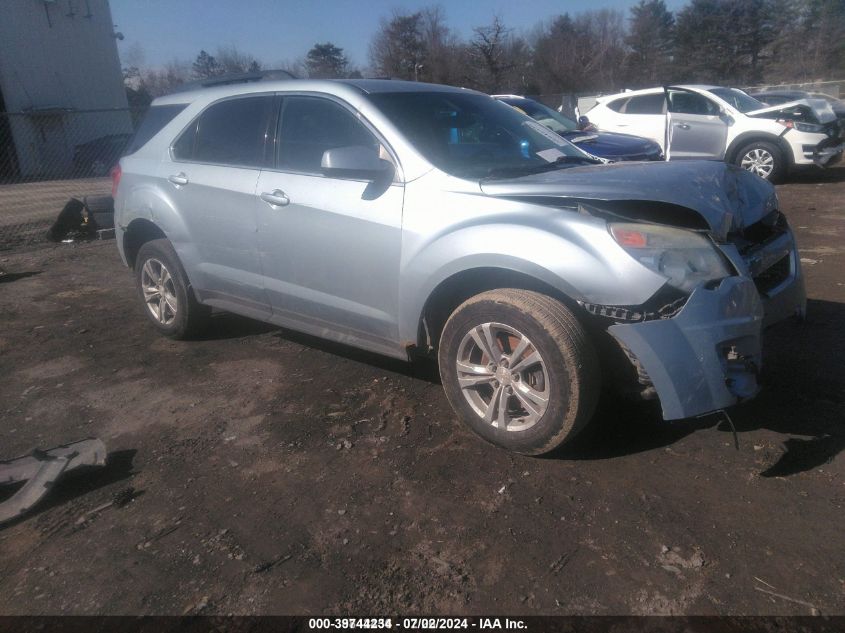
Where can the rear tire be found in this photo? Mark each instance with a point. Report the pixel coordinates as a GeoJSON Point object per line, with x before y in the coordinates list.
{"type": "Point", "coordinates": [537, 388]}
{"type": "Point", "coordinates": [764, 159]}
{"type": "Point", "coordinates": [165, 292]}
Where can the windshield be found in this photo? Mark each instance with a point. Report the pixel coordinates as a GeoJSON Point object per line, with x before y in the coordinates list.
{"type": "Point", "coordinates": [555, 121]}
{"type": "Point", "coordinates": [738, 99]}
{"type": "Point", "coordinates": [474, 136]}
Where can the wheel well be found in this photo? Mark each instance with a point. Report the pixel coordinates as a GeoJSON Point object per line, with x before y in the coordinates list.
{"type": "Point", "coordinates": [754, 137]}
{"type": "Point", "coordinates": [452, 292]}
{"type": "Point", "coordinates": [138, 233]}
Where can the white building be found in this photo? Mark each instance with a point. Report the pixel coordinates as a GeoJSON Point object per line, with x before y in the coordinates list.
{"type": "Point", "coordinates": [58, 58]}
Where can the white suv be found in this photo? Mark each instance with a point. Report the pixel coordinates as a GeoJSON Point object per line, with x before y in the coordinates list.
{"type": "Point", "coordinates": [727, 124]}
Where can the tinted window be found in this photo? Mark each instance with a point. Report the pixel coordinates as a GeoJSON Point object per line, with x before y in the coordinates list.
{"type": "Point", "coordinates": [154, 120]}
{"type": "Point", "coordinates": [474, 136]}
{"type": "Point", "coordinates": [691, 103]}
{"type": "Point", "coordinates": [646, 104]}
{"type": "Point", "coordinates": [617, 104]}
{"type": "Point", "coordinates": [738, 99]}
{"type": "Point", "coordinates": [310, 125]}
{"type": "Point", "coordinates": [230, 132]}
{"type": "Point", "coordinates": [550, 118]}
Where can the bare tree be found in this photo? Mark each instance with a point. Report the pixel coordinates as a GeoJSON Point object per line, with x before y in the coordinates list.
{"type": "Point", "coordinates": [398, 48]}
{"type": "Point", "coordinates": [232, 60]}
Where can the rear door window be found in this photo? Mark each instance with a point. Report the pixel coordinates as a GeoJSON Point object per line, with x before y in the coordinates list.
{"type": "Point", "coordinates": [231, 132]}
{"type": "Point", "coordinates": [682, 102]}
{"type": "Point", "coordinates": [646, 104]}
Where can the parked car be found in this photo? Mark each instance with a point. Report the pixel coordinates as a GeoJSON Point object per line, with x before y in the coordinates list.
{"type": "Point", "coordinates": [97, 157]}
{"type": "Point", "coordinates": [725, 123]}
{"type": "Point", "coordinates": [608, 145]}
{"type": "Point", "coordinates": [406, 218]}
{"type": "Point", "coordinates": [780, 97]}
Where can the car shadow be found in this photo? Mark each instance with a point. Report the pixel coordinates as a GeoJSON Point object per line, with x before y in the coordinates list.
{"type": "Point", "coordinates": [79, 482]}
{"type": "Point", "coordinates": [803, 396]}
{"type": "Point", "coordinates": [10, 277]}
{"type": "Point", "coordinates": [814, 175]}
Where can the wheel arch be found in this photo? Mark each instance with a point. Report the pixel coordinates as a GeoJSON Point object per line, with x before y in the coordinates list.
{"type": "Point", "coordinates": [452, 291]}
{"type": "Point", "coordinates": [751, 137]}
{"type": "Point", "coordinates": [139, 232]}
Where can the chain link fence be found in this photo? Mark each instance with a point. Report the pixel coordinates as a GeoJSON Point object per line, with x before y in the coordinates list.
{"type": "Point", "coordinates": [48, 156]}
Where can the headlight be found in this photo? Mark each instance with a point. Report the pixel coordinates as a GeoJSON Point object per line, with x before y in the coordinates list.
{"type": "Point", "coordinates": [685, 258]}
{"type": "Point", "coordinates": [809, 127]}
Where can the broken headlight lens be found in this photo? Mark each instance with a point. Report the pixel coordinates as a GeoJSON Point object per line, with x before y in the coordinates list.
{"type": "Point", "coordinates": [685, 258]}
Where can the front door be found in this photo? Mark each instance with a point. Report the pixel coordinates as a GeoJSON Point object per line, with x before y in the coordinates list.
{"type": "Point", "coordinates": [329, 246]}
{"type": "Point", "coordinates": [695, 128]}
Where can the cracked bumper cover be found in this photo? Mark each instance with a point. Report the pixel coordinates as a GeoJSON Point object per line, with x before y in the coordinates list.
{"type": "Point", "coordinates": [707, 356]}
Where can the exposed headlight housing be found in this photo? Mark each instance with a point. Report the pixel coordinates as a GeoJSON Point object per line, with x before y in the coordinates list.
{"type": "Point", "coordinates": [685, 258]}
{"type": "Point", "coordinates": [802, 127]}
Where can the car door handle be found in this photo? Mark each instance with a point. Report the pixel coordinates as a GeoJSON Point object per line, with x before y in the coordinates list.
{"type": "Point", "coordinates": [683, 126]}
{"type": "Point", "coordinates": [178, 179]}
{"type": "Point", "coordinates": [276, 199]}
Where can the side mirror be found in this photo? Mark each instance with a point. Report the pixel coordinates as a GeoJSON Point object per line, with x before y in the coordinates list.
{"type": "Point", "coordinates": [727, 118]}
{"type": "Point", "coordinates": [355, 161]}
{"type": "Point", "coordinates": [585, 125]}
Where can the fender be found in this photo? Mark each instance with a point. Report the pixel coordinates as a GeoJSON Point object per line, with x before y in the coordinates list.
{"type": "Point", "coordinates": [571, 253]}
{"type": "Point", "coordinates": [148, 202]}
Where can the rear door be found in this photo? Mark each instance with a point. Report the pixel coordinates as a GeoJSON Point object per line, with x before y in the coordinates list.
{"type": "Point", "coordinates": [212, 174]}
{"type": "Point", "coordinates": [695, 126]}
{"type": "Point", "coordinates": [642, 115]}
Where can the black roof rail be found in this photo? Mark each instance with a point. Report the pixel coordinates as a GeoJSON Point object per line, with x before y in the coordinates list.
{"type": "Point", "coordinates": [236, 78]}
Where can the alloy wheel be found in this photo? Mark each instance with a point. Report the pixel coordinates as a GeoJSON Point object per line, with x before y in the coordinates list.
{"type": "Point", "coordinates": [503, 376]}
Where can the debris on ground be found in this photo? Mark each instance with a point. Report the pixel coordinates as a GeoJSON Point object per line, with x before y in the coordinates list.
{"type": "Point", "coordinates": [41, 469]}
{"type": "Point", "coordinates": [86, 219]}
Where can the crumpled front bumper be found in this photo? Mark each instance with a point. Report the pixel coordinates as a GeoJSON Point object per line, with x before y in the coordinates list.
{"type": "Point", "coordinates": [707, 356]}
{"type": "Point", "coordinates": [827, 155]}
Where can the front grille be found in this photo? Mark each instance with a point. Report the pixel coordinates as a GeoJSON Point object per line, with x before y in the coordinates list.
{"type": "Point", "coordinates": [773, 276]}
{"type": "Point", "coordinates": [760, 246]}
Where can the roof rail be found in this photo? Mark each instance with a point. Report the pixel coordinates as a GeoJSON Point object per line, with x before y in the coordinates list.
{"type": "Point", "coordinates": [236, 78]}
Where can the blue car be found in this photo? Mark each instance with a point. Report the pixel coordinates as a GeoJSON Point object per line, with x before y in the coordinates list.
{"type": "Point", "coordinates": [608, 145]}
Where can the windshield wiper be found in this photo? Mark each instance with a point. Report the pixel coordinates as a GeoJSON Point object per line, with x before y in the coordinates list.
{"type": "Point", "coordinates": [504, 172]}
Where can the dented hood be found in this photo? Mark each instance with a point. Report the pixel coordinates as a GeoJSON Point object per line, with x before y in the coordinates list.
{"type": "Point", "coordinates": [818, 108]}
{"type": "Point", "coordinates": [726, 197]}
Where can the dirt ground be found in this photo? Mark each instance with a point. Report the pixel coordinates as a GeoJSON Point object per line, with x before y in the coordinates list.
{"type": "Point", "coordinates": [273, 473]}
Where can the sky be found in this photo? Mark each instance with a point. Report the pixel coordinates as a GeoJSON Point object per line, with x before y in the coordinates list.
{"type": "Point", "coordinates": [277, 31]}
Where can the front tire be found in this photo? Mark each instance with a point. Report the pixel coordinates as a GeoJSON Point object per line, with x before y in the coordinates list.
{"type": "Point", "coordinates": [165, 292]}
{"type": "Point", "coordinates": [764, 159]}
{"type": "Point", "coordinates": [518, 368]}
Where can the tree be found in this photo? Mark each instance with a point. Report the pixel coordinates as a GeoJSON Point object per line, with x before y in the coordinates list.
{"type": "Point", "coordinates": [651, 40]}
{"type": "Point", "coordinates": [723, 41]}
{"type": "Point", "coordinates": [398, 48]}
{"type": "Point", "coordinates": [580, 54]}
{"type": "Point", "coordinates": [445, 54]}
{"type": "Point", "coordinates": [494, 55]}
{"type": "Point", "coordinates": [205, 66]}
{"type": "Point", "coordinates": [231, 60]}
{"type": "Point", "coordinates": [326, 61]}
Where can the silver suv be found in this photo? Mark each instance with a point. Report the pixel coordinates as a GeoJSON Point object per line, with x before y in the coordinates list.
{"type": "Point", "coordinates": [406, 218]}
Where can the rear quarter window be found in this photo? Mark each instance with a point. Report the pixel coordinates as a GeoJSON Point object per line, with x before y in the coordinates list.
{"type": "Point", "coordinates": [646, 104]}
{"type": "Point", "coordinates": [617, 104]}
{"type": "Point", "coordinates": [153, 122]}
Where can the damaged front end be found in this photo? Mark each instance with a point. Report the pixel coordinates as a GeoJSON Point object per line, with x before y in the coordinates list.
{"type": "Point", "coordinates": [699, 350]}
